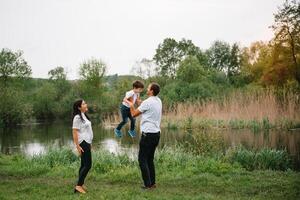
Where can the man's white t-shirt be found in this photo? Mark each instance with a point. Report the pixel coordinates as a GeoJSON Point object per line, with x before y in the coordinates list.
{"type": "Point", "coordinates": [85, 131]}
{"type": "Point", "coordinates": [129, 94]}
{"type": "Point", "coordinates": [151, 110]}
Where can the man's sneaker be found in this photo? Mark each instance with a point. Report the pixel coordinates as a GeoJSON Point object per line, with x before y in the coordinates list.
{"type": "Point", "coordinates": [132, 133]}
{"type": "Point", "coordinates": [118, 133]}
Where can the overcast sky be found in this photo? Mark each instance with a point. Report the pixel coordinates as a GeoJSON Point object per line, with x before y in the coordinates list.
{"type": "Point", "coordinates": [64, 33]}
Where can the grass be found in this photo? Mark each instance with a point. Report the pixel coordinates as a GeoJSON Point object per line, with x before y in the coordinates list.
{"type": "Point", "coordinates": [255, 110]}
{"type": "Point", "coordinates": [263, 159]}
{"type": "Point", "coordinates": [180, 175]}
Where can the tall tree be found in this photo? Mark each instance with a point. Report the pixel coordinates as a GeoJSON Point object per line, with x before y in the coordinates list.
{"type": "Point", "coordinates": [226, 58]}
{"type": "Point", "coordinates": [255, 60]}
{"type": "Point", "coordinates": [287, 33]}
{"type": "Point", "coordinates": [57, 73]}
{"type": "Point", "coordinates": [234, 67]}
{"type": "Point", "coordinates": [93, 71]}
{"type": "Point", "coordinates": [58, 76]}
{"type": "Point", "coordinates": [12, 67]}
{"type": "Point", "coordinates": [219, 56]}
{"type": "Point", "coordinates": [12, 64]}
{"type": "Point", "coordinates": [190, 70]}
{"type": "Point", "coordinates": [169, 54]}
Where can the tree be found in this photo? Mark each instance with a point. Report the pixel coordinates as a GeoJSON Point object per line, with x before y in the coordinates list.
{"type": "Point", "coordinates": [58, 77]}
{"type": "Point", "coordinates": [169, 54]}
{"type": "Point", "coordinates": [92, 71]}
{"type": "Point", "coordinates": [92, 87]}
{"type": "Point", "coordinates": [12, 67]}
{"type": "Point", "coordinates": [14, 108]}
{"type": "Point", "coordinates": [255, 60]}
{"type": "Point", "coordinates": [287, 33]}
{"type": "Point", "coordinates": [57, 73]}
{"type": "Point", "coordinates": [45, 102]}
{"type": "Point", "coordinates": [219, 56]}
{"type": "Point", "coordinates": [190, 70]}
{"type": "Point", "coordinates": [280, 69]}
{"type": "Point", "coordinates": [226, 58]}
{"type": "Point", "coordinates": [234, 62]}
{"type": "Point", "coordinates": [12, 64]}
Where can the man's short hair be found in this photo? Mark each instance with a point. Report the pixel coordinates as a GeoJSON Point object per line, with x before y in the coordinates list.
{"type": "Point", "coordinates": [137, 84]}
{"type": "Point", "coordinates": [155, 88]}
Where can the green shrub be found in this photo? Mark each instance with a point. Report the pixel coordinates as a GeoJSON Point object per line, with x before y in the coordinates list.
{"type": "Point", "coordinates": [262, 159]}
{"type": "Point", "coordinates": [55, 157]}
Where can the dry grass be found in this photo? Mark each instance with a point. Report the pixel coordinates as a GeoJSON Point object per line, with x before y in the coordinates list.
{"type": "Point", "coordinates": [237, 106]}
{"type": "Point", "coordinates": [241, 106]}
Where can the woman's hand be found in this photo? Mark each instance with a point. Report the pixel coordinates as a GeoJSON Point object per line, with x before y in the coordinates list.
{"type": "Point", "coordinates": [79, 149]}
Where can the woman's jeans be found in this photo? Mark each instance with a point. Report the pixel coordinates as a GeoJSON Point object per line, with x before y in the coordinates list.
{"type": "Point", "coordinates": [86, 162]}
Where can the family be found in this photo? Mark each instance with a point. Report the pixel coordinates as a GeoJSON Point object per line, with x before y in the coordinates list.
{"type": "Point", "coordinates": [150, 111]}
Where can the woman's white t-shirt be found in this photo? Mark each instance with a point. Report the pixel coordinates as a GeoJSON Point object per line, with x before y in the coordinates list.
{"type": "Point", "coordinates": [85, 131]}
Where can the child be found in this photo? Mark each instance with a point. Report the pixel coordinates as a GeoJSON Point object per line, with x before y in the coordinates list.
{"type": "Point", "coordinates": [134, 97]}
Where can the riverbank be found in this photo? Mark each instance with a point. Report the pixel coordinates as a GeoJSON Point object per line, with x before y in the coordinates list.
{"type": "Point", "coordinates": [180, 175]}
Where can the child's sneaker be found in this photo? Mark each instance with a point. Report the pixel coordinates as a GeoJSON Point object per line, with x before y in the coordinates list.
{"type": "Point", "coordinates": [118, 133]}
{"type": "Point", "coordinates": [131, 133]}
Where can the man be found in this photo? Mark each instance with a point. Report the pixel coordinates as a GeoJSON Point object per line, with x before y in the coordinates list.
{"type": "Point", "coordinates": [150, 110]}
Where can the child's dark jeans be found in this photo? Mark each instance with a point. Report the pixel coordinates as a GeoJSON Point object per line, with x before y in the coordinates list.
{"type": "Point", "coordinates": [125, 112]}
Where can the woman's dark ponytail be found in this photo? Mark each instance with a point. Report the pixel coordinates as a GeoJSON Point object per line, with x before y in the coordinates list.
{"type": "Point", "coordinates": [76, 110]}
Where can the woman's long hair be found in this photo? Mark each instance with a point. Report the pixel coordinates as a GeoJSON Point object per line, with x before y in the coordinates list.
{"type": "Point", "coordinates": [76, 111]}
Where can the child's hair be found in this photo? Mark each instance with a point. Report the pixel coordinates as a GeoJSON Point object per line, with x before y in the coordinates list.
{"type": "Point", "coordinates": [137, 84]}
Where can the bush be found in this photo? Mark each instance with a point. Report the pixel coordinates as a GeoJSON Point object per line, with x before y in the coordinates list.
{"type": "Point", "coordinates": [13, 110]}
{"type": "Point", "coordinates": [262, 160]}
{"type": "Point", "coordinates": [55, 157]}
{"type": "Point", "coordinates": [45, 102]}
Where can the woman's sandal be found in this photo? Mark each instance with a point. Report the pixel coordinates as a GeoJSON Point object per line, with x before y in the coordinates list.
{"type": "Point", "coordinates": [79, 189]}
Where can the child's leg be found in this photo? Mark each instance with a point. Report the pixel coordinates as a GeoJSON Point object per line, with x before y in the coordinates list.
{"type": "Point", "coordinates": [124, 114]}
{"type": "Point", "coordinates": [132, 122]}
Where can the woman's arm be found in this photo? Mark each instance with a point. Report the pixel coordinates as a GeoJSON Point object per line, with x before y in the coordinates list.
{"type": "Point", "coordinates": [75, 139]}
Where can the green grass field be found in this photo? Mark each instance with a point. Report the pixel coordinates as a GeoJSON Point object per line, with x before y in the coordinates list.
{"type": "Point", "coordinates": [180, 175]}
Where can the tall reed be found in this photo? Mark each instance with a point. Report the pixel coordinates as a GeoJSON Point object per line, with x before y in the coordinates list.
{"type": "Point", "coordinates": [262, 108]}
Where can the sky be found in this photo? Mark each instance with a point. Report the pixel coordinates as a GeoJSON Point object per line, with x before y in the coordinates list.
{"type": "Point", "coordinates": [65, 33]}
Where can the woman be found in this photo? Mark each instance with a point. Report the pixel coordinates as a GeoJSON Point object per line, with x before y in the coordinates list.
{"type": "Point", "coordinates": [82, 137]}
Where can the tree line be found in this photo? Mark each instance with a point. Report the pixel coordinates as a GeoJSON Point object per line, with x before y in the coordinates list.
{"type": "Point", "coordinates": [185, 72]}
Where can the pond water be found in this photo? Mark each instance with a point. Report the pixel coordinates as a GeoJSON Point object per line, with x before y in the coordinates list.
{"type": "Point", "coordinates": [36, 139]}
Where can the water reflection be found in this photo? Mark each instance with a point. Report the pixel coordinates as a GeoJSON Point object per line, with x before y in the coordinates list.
{"type": "Point", "coordinates": [34, 148]}
{"type": "Point", "coordinates": [115, 147]}
{"type": "Point", "coordinates": [111, 145]}
{"type": "Point", "coordinates": [37, 139]}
